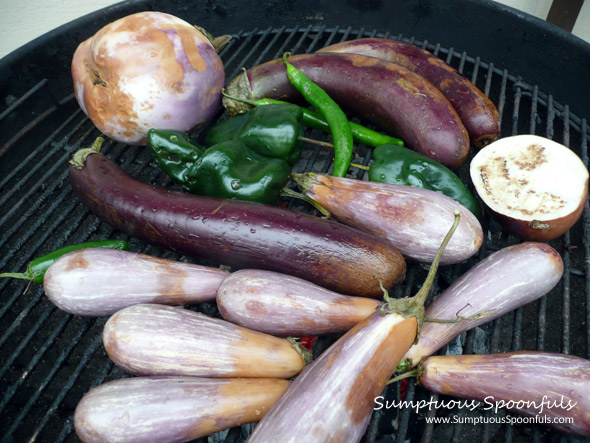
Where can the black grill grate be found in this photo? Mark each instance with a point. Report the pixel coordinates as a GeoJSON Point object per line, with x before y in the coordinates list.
{"type": "Point", "coordinates": [49, 359]}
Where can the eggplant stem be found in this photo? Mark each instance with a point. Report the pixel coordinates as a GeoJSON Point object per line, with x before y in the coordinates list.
{"type": "Point", "coordinates": [79, 157]}
{"type": "Point", "coordinates": [303, 352]}
{"type": "Point", "coordinates": [288, 192]}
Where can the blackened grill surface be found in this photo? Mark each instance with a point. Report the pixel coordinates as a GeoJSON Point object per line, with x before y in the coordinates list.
{"type": "Point", "coordinates": [49, 359]}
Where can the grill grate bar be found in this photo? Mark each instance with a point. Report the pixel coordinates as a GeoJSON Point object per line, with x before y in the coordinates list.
{"type": "Point", "coordinates": [566, 291]}
{"type": "Point", "coordinates": [15, 105]}
{"type": "Point", "coordinates": [87, 355]}
{"type": "Point", "coordinates": [58, 363]}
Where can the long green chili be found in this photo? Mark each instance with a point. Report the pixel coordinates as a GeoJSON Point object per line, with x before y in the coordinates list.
{"type": "Point", "coordinates": [38, 267]}
{"type": "Point", "coordinates": [329, 109]}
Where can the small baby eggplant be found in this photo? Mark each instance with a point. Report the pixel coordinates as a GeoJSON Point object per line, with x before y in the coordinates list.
{"type": "Point", "coordinates": [166, 409]}
{"type": "Point", "coordinates": [98, 281]}
{"type": "Point", "coordinates": [283, 305]}
{"type": "Point", "coordinates": [554, 387]}
{"type": "Point", "coordinates": [414, 220]}
{"type": "Point", "coordinates": [149, 339]}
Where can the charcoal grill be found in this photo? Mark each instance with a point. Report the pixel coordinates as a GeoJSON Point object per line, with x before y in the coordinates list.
{"type": "Point", "coordinates": [535, 73]}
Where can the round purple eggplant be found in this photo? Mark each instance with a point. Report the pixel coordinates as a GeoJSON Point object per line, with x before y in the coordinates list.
{"type": "Point", "coordinates": [478, 113]}
{"type": "Point", "coordinates": [279, 304]}
{"type": "Point", "coordinates": [172, 409]}
{"type": "Point", "coordinates": [98, 281]}
{"type": "Point", "coordinates": [399, 101]}
{"type": "Point", "coordinates": [149, 339]}
{"type": "Point", "coordinates": [554, 388]}
{"type": "Point", "coordinates": [237, 233]}
{"type": "Point", "coordinates": [504, 281]}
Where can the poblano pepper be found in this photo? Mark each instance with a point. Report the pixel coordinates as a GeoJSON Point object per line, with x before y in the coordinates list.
{"type": "Point", "coordinates": [271, 131]}
{"type": "Point", "coordinates": [398, 165]}
{"type": "Point", "coordinates": [228, 169]}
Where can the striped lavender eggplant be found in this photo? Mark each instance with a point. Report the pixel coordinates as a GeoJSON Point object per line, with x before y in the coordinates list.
{"type": "Point", "coordinates": [414, 220]}
{"type": "Point", "coordinates": [507, 279]}
{"type": "Point", "coordinates": [172, 409]}
{"type": "Point", "coordinates": [99, 281]}
{"type": "Point", "coordinates": [333, 398]}
{"type": "Point", "coordinates": [553, 387]}
{"type": "Point", "coordinates": [149, 339]}
{"type": "Point", "coordinates": [283, 305]}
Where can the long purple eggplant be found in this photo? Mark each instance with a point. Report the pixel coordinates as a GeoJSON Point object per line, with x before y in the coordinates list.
{"type": "Point", "coordinates": [412, 219]}
{"type": "Point", "coordinates": [504, 281]}
{"type": "Point", "coordinates": [149, 339]}
{"type": "Point", "coordinates": [553, 388]}
{"type": "Point", "coordinates": [172, 409]}
{"type": "Point", "coordinates": [399, 101]}
{"type": "Point", "coordinates": [283, 305]}
{"type": "Point", "coordinates": [98, 281]}
{"type": "Point", "coordinates": [478, 113]}
{"type": "Point", "coordinates": [236, 233]}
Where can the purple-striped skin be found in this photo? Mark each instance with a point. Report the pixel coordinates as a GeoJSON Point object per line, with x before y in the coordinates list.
{"type": "Point", "coordinates": [414, 220]}
{"type": "Point", "coordinates": [333, 398]}
{"type": "Point", "coordinates": [237, 233]}
{"type": "Point", "coordinates": [504, 281]}
{"type": "Point", "coordinates": [399, 101]}
{"type": "Point", "coordinates": [150, 339]}
{"type": "Point", "coordinates": [98, 281]}
{"type": "Point", "coordinates": [283, 305]}
{"type": "Point", "coordinates": [172, 409]}
{"type": "Point", "coordinates": [478, 113]}
{"type": "Point", "coordinates": [543, 384]}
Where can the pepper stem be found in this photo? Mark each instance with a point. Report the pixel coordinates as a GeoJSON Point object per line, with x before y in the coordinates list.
{"type": "Point", "coordinates": [363, 167]}
{"type": "Point", "coordinates": [22, 275]}
{"type": "Point", "coordinates": [79, 157]}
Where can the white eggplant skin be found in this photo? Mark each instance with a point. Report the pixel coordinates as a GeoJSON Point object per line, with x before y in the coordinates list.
{"type": "Point", "coordinates": [99, 281]}
{"type": "Point", "coordinates": [559, 382]}
{"type": "Point", "coordinates": [172, 409]}
{"type": "Point", "coordinates": [149, 339]}
{"type": "Point", "coordinates": [284, 305]}
{"type": "Point", "coordinates": [505, 280]}
{"type": "Point", "coordinates": [412, 219]}
{"type": "Point", "coordinates": [333, 398]}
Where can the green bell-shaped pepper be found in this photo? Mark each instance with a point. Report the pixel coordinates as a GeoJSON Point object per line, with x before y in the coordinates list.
{"type": "Point", "coordinates": [228, 169]}
{"type": "Point", "coordinates": [272, 131]}
{"type": "Point", "coordinates": [401, 166]}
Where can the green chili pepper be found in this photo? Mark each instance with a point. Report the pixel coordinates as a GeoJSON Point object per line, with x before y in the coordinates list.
{"type": "Point", "coordinates": [272, 131]}
{"type": "Point", "coordinates": [314, 119]}
{"type": "Point", "coordinates": [332, 113]}
{"type": "Point", "coordinates": [38, 267]}
{"type": "Point", "coordinates": [228, 169]}
{"type": "Point", "coordinates": [402, 166]}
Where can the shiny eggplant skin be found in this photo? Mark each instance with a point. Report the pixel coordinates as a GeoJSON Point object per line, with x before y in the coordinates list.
{"type": "Point", "coordinates": [552, 386]}
{"type": "Point", "coordinates": [95, 282]}
{"type": "Point", "coordinates": [478, 113]}
{"type": "Point", "coordinates": [505, 280]}
{"type": "Point", "coordinates": [288, 306]}
{"type": "Point", "coordinates": [172, 409]}
{"type": "Point", "coordinates": [149, 339]}
{"type": "Point", "coordinates": [412, 219]}
{"type": "Point", "coordinates": [239, 234]}
{"type": "Point", "coordinates": [400, 102]}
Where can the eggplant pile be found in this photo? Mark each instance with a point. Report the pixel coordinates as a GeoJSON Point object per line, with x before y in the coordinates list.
{"type": "Point", "coordinates": [297, 275]}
